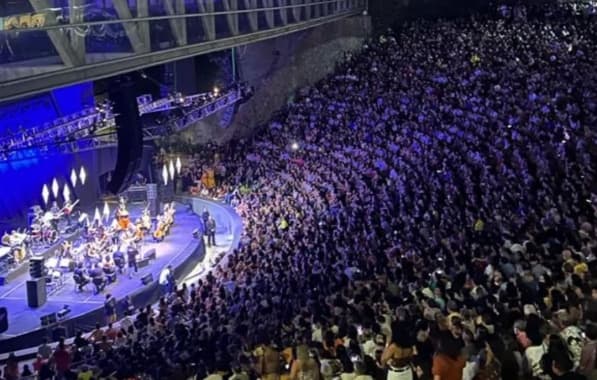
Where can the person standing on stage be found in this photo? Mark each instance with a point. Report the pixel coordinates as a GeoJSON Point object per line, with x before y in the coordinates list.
{"type": "Point", "coordinates": [132, 260]}
{"type": "Point", "coordinates": [166, 278]}
{"type": "Point", "coordinates": [211, 231]}
{"type": "Point", "coordinates": [110, 308]}
{"type": "Point", "coordinates": [205, 216]}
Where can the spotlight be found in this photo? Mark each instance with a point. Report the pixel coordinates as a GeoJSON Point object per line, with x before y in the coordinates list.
{"type": "Point", "coordinates": [178, 165]}
{"type": "Point", "coordinates": [82, 175]}
{"type": "Point", "coordinates": [45, 194]}
{"type": "Point", "coordinates": [66, 192]}
{"type": "Point", "coordinates": [55, 188]}
{"type": "Point", "coordinates": [171, 170]}
{"type": "Point", "coordinates": [106, 211]}
{"type": "Point", "coordinates": [294, 146]}
{"type": "Point", "coordinates": [165, 174]}
{"type": "Point", "coordinates": [73, 177]}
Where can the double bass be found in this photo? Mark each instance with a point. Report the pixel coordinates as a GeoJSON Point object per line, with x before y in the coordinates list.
{"type": "Point", "coordinates": [164, 223]}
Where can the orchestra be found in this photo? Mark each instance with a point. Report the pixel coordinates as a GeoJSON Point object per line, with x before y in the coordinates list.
{"type": "Point", "coordinates": [103, 250]}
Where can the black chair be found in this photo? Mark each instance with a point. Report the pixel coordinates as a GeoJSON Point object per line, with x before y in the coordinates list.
{"type": "Point", "coordinates": [118, 258]}
{"type": "Point", "coordinates": [100, 283]}
{"type": "Point", "coordinates": [80, 281]}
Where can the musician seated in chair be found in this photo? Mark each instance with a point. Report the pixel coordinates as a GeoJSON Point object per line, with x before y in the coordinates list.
{"type": "Point", "coordinates": [109, 269]}
{"type": "Point", "coordinates": [98, 278]}
{"type": "Point", "coordinates": [119, 261]}
{"type": "Point", "coordinates": [81, 279]}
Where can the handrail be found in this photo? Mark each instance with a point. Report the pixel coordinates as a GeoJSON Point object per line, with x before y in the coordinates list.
{"type": "Point", "coordinates": [167, 17]}
{"type": "Point", "coordinates": [25, 86]}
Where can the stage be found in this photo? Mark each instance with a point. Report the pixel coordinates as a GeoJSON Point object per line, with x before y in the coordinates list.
{"type": "Point", "coordinates": [179, 249]}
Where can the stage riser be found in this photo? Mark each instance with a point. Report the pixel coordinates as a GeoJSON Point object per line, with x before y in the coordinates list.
{"type": "Point", "coordinates": [51, 251]}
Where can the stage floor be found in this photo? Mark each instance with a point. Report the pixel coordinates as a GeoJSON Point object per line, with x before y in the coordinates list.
{"type": "Point", "coordinates": [175, 249]}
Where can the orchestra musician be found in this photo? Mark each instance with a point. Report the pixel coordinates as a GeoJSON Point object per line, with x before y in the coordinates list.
{"type": "Point", "coordinates": [109, 268]}
{"type": "Point", "coordinates": [67, 210]}
{"type": "Point", "coordinates": [55, 215]}
{"type": "Point", "coordinates": [81, 278]}
{"type": "Point", "coordinates": [118, 260]}
{"type": "Point", "coordinates": [164, 222]}
{"type": "Point", "coordinates": [97, 277]}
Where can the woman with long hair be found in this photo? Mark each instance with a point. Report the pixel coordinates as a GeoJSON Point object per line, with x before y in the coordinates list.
{"type": "Point", "coordinates": [398, 355]}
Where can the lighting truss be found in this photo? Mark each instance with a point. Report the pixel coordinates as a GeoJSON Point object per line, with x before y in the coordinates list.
{"type": "Point", "coordinates": [95, 128]}
{"type": "Point", "coordinates": [72, 129]}
{"type": "Point", "coordinates": [147, 105]}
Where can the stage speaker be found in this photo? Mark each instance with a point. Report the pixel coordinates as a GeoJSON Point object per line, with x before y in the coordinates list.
{"type": "Point", "coordinates": [3, 319]}
{"type": "Point", "coordinates": [143, 262]}
{"type": "Point", "coordinates": [36, 292]}
{"type": "Point", "coordinates": [151, 254]}
{"type": "Point", "coordinates": [147, 279]}
{"type": "Point", "coordinates": [36, 267]}
{"type": "Point", "coordinates": [130, 134]}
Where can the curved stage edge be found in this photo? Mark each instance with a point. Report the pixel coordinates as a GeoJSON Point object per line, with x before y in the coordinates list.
{"type": "Point", "coordinates": [185, 262]}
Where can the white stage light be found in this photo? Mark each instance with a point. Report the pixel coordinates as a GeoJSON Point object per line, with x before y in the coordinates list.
{"type": "Point", "coordinates": [165, 174]}
{"type": "Point", "coordinates": [171, 168]}
{"type": "Point", "coordinates": [178, 165]}
{"type": "Point", "coordinates": [106, 211]}
{"type": "Point", "coordinates": [45, 194]}
{"type": "Point", "coordinates": [66, 192]}
{"type": "Point", "coordinates": [96, 215]}
{"type": "Point", "coordinates": [73, 177]}
{"type": "Point", "coordinates": [55, 188]}
{"type": "Point", "coordinates": [82, 175]}
{"type": "Point", "coordinates": [294, 146]}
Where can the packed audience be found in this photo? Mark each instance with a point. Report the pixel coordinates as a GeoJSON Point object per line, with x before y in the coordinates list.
{"type": "Point", "coordinates": [427, 211]}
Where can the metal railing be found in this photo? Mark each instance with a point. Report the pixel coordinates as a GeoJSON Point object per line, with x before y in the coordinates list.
{"type": "Point", "coordinates": [74, 48]}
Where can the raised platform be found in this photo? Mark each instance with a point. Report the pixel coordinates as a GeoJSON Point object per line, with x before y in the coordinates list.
{"type": "Point", "coordinates": [179, 249]}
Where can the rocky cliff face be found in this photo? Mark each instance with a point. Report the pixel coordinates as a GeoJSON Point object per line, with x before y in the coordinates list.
{"type": "Point", "coordinates": [277, 68]}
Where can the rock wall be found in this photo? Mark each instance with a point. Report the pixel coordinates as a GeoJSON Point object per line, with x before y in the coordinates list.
{"type": "Point", "coordinates": [277, 68]}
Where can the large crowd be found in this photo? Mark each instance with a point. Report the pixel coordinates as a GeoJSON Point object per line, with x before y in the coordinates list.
{"type": "Point", "coordinates": [426, 211]}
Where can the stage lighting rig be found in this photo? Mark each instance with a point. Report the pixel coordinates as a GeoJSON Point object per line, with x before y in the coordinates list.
{"type": "Point", "coordinates": [62, 132]}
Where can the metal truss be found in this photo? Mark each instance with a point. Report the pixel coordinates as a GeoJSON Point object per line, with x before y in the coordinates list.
{"type": "Point", "coordinates": [96, 128]}
{"type": "Point", "coordinates": [189, 33]}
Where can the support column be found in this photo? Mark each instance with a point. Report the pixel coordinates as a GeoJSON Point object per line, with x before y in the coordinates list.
{"type": "Point", "coordinates": [208, 22]}
{"type": "Point", "coordinates": [77, 15]}
{"type": "Point", "coordinates": [143, 26]}
{"type": "Point", "coordinates": [269, 15]}
{"type": "Point", "coordinates": [296, 11]}
{"type": "Point", "coordinates": [283, 11]}
{"type": "Point", "coordinates": [130, 28]}
{"type": "Point", "coordinates": [177, 26]}
{"type": "Point", "coordinates": [58, 37]}
{"type": "Point", "coordinates": [253, 22]}
{"type": "Point", "coordinates": [308, 10]}
{"type": "Point", "coordinates": [232, 5]}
